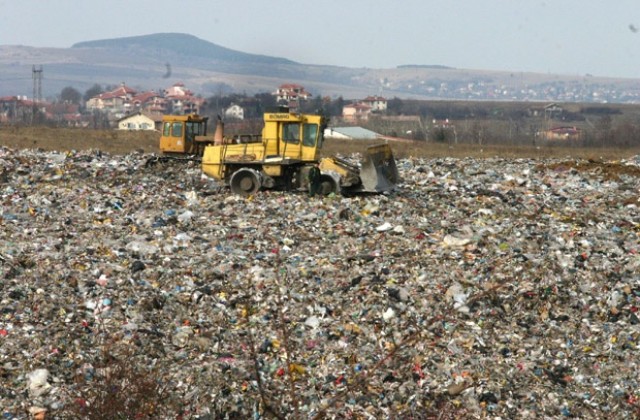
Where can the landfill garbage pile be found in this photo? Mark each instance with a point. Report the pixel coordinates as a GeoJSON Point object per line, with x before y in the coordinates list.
{"type": "Point", "coordinates": [485, 288]}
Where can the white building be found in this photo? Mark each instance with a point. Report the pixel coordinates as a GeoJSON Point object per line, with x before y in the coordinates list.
{"type": "Point", "coordinates": [139, 121]}
{"type": "Point", "coordinates": [377, 103]}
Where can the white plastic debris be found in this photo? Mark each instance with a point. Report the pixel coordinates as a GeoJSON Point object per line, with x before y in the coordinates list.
{"type": "Point", "coordinates": [388, 314]}
{"type": "Point", "coordinates": [37, 382]}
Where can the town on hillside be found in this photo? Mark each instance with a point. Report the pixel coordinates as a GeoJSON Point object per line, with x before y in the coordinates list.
{"type": "Point", "coordinates": [125, 108]}
{"type": "Point", "coordinates": [115, 107]}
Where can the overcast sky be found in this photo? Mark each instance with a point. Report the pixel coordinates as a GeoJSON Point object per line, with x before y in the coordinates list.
{"type": "Point", "coordinates": [572, 37]}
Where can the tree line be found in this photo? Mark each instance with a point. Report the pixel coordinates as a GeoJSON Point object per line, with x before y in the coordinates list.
{"type": "Point", "coordinates": [470, 122]}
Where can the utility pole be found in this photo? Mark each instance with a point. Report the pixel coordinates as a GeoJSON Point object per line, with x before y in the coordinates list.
{"type": "Point", "coordinates": [37, 90]}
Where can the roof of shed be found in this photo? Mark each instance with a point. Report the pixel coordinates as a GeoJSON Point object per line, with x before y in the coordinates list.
{"type": "Point", "coordinates": [355, 132]}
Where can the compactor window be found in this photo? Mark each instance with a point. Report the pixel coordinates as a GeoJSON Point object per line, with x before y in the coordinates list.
{"type": "Point", "coordinates": [195, 128]}
{"type": "Point", "coordinates": [309, 134]}
{"type": "Point", "coordinates": [291, 132]}
{"type": "Point", "coordinates": [177, 129]}
{"type": "Point", "coordinates": [166, 129]}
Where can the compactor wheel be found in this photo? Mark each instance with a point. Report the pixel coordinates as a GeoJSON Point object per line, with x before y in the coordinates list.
{"type": "Point", "coordinates": [328, 185]}
{"type": "Point", "coordinates": [245, 182]}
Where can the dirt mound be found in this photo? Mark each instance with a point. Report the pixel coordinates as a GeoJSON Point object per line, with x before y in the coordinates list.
{"type": "Point", "coordinates": [608, 170]}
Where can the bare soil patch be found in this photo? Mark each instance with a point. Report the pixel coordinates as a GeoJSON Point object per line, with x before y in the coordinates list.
{"type": "Point", "coordinates": [61, 139]}
{"type": "Point", "coordinates": [609, 170]}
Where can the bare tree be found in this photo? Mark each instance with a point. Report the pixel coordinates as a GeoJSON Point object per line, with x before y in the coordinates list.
{"type": "Point", "coordinates": [94, 90]}
{"type": "Point", "coordinates": [603, 129]}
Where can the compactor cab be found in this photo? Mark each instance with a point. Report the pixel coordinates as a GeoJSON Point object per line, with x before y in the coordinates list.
{"type": "Point", "coordinates": [180, 132]}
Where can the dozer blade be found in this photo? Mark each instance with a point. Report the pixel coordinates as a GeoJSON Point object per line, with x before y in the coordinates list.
{"type": "Point", "coordinates": [378, 171]}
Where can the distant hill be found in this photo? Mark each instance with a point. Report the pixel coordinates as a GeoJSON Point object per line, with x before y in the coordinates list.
{"type": "Point", "coordinates": [183, 45]}
{"type": "Point", "coordinates": [157, 61]}
{"type": "Point", "coordinates": [425, 66]}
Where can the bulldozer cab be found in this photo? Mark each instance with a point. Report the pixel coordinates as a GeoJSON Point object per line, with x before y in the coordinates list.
{"type": "Point", "coordinates": [179, 133]}
{"type": "Point", "coordinates": [293, 136]}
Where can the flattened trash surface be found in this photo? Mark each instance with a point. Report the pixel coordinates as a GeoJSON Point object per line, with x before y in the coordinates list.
{"type": "Point", "coordinates": [478, 288]}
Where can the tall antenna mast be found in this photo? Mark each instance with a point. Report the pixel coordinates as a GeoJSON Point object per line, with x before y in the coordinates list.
{"type": "Point", "coordinates": [37, 89]}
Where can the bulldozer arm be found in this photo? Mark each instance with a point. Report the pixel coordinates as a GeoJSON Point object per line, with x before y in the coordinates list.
{"type": "Point", "coordinates": [378, 171]}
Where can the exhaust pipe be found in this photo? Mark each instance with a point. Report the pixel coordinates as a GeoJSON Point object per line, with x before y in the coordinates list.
{"type": "Point", "coordinates": [218, 136]}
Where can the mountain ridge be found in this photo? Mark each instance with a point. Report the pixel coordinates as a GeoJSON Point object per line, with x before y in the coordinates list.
{"type": "Point", "coordinates": [209, 69]}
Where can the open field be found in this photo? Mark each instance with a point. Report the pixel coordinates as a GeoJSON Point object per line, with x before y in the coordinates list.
{"type": "Point", "coordinates": [123, 142]}
{"type": "Point", "coordinates": [437, 150]}
{"type": "Point", "coordinates": [61, 139]}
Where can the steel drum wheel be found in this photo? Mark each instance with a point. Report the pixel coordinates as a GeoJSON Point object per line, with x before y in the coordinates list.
{"type": "Point", "coordinates": [244, 182]}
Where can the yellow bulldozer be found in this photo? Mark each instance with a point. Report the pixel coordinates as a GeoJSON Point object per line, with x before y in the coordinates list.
{"type": "Point", "coordinates": [278, 158]}
{"type": "Point", "coordinates": [183, 135]}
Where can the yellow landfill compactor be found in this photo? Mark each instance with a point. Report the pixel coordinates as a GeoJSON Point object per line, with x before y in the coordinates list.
{"type": "Point", "coordinates": [183, 135]}
{"type": "Point", "coordinates": [280, 158]}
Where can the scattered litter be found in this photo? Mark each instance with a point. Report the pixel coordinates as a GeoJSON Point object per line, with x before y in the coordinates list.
{"type": "Point", "coordinates": [480, 288]}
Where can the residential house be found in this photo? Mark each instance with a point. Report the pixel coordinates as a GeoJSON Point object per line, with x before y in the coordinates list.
{"type": "Point", "coordinates": [64, 114]}
{"type": "Point", "coordinates": [362, 109]}
{"type": "Point", "coordinates": [15, 108]}
{"type": "Point", "coordinates": [21, 109]}
{"type": "Point", "coordinates": [291, 92]}
{"type": "Point", "coordinates": [117, 101]}
{"type": "Point", "coordinates": [549, 111]}
{"type": "Point", "coordinates": [356, 112]}
{"type": "Point", "coordinates": [377, 103]}
{"type": "Point", "coordinates": [177, 90]}
{"type": "Point", "coordinates": [125, 101]}
{"type": "Point", "coordinates": [140, 121]}
{"type": "Point", "coordinates": [150, 102]}
{"type": "Point", "coordinates": [181, 100]}
{"type": "Point", "coordinates": [562, 134]}
{"type": "Point", "coordinates": [553, 111]}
